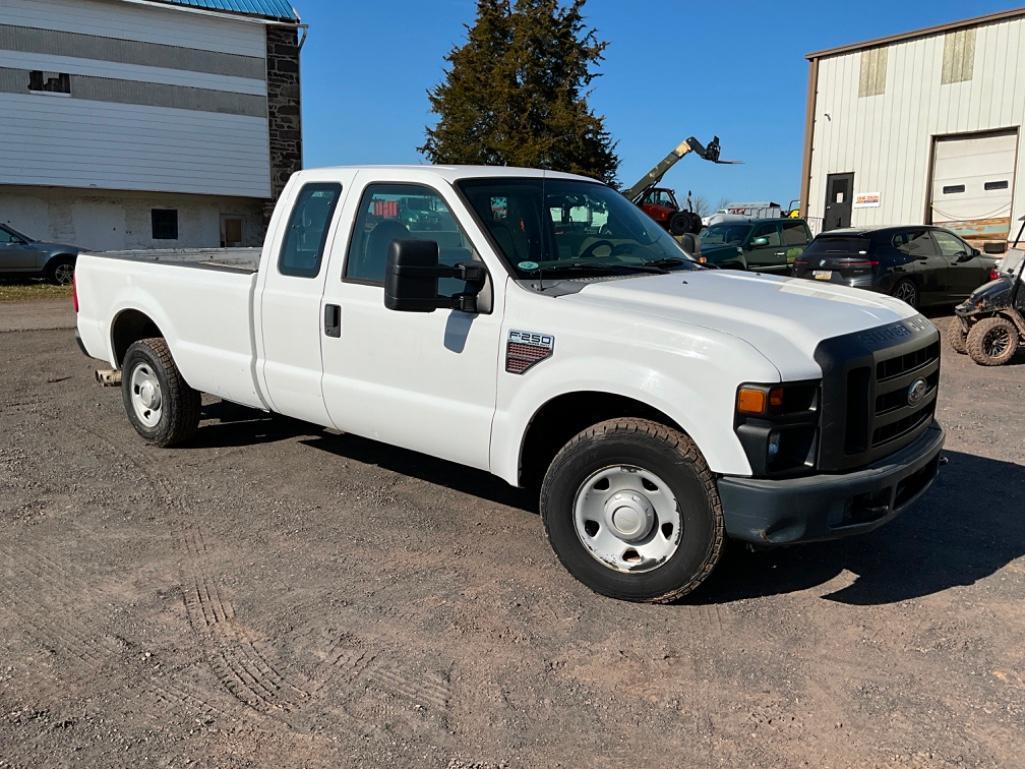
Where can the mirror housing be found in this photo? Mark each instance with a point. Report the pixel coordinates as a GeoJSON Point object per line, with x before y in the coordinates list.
{"type": "Point", "coordinates": [756, 242]}
{"type": "Point", "coordinates": [411, 279]}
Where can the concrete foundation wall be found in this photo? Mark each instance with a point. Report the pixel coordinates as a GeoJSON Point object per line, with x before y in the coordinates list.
{"type": "Point", "coordinates": [116, 220]}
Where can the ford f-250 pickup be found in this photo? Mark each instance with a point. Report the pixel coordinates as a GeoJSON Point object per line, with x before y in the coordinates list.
{"type": "Point", "coordinates": [538, 326]}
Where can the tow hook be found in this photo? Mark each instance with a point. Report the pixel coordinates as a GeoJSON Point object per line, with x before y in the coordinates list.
{"type": "Point", "coordinates": [109, 377]}
{"type": "Point", "coordinates": [944, 459]}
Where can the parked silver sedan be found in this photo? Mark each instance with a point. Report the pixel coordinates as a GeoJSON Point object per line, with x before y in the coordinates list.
{"type": "Point", "coordinates": [21, 255]}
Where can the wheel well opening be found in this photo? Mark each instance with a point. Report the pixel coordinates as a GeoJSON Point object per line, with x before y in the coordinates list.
{"type": "Point", "coordinates": [563, 417]}
{"type": "Point", "coordinates": [130, 326]}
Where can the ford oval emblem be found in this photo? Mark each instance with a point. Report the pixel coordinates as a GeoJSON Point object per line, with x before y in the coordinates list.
{"type": "Point", "coordinates": [917, 392]}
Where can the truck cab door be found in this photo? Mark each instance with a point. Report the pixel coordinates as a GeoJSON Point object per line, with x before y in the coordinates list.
{"type": "Point", "coordinates": [290, 286]}
{"type": "Point", "coordinates": [422, 381]}
{"type": "Point", "coordinates": [764, 249]}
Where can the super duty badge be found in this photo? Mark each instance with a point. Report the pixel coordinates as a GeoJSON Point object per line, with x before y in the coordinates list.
{"type": "Point", "coordinates": [527, 348]}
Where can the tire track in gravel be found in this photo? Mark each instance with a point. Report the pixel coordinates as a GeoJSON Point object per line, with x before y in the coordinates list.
{"type": "Point", "coordinates": [258, 685]}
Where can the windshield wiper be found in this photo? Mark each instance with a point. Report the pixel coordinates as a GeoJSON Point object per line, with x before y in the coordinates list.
{"type": "Point", "coordinates": [589, 267]}
{"type": "Point", "coordinates": [669, 261]}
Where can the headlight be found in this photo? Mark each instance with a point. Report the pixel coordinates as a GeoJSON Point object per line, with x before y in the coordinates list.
{"type": "Point", "coordinates": [777, 425]}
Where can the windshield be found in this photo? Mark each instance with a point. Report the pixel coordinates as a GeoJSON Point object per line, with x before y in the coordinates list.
{"type": "Point", "coordinates": [724, 234]}
{"type": "Point", "coordinates": [570, 228]}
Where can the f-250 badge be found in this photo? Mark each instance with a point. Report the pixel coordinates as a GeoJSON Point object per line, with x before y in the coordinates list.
{"type": "Point", "coordinates": [526, 349]}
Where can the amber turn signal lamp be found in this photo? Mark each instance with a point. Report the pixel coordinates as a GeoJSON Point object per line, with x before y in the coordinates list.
{"type": "Point", "coordinates": [751, 400]}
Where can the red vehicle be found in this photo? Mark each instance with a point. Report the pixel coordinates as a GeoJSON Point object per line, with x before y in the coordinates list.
{"type": "Point", "coordinates": [660, 204]}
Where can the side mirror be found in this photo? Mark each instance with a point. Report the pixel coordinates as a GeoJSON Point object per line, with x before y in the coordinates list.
{"type": "Point", "coordinates": [411, 279]}
{"type": "Point", "coordinates": [756, 242]}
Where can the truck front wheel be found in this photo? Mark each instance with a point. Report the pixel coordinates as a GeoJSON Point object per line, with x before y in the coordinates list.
{"type": "Point", "coordinates": [161, 406]}
{"type": "Point", "coordinates": [632, 511]}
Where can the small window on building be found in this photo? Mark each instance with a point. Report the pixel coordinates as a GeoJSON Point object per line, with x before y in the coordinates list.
{"type": "Point", "coordinates": [872, 80]}
{"type": "Point", "coordinates": [952, 189]}
{"type": "Point", "coordinates": [49, 82]}
{"type": "Point", "coordinates": [165, 223]}
{"type": "Point", "coordinates": [1001, 185]}
{"type": "Point", "coordinates": [958, 56]}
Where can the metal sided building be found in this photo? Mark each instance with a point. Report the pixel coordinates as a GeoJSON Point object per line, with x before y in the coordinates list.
{"type": "Point", "coordinates": [920, 128]}
{"type": "Point", "coordinates": [146, 123]}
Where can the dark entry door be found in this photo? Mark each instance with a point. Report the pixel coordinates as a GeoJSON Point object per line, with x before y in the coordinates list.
{"type": "Point", "coordinates": [839, 194]}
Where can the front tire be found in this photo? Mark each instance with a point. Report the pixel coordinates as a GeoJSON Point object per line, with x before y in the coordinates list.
{"type": "Point", "coordinates": [161, 406]}
{"type": "Point", "coordinates": [993, 341]}
{"type": "Point", "coordinates": [906, 290]}
{"type": "Point", "coordinates": [958, 336]}
{"type": "Point", "coordinates": [632, 511]}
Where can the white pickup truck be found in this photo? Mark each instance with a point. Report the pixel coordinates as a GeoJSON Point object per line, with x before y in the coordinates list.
{"type": "Point", "coordinates": [538, 326]}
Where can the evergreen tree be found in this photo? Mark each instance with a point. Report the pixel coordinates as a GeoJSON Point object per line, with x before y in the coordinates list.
{"type": "Point", "coordinates": [516, 93]}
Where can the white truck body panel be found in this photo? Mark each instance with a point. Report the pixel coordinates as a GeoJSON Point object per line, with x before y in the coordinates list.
{"type": "Point", "coordinates": [680, 343]}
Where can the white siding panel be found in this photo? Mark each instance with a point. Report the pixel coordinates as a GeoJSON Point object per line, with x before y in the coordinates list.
{"type": "Point", "coordinates": [887, 140]}
{"type": "Point", "coordinates": [114, 18]}
{"type": "Point", "coordinates": [118, 71]}
{"type": "Point", "coordinates": [77, 143]}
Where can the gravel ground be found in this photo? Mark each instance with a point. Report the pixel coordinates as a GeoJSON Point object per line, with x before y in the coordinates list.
{"type": "Point", "coordinates": [278, 596]}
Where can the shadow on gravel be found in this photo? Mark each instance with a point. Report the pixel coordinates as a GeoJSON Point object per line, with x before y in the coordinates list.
{"type": "Point", "coordinates": [227, 425]}
{"type": "Point", "coordinates": [968, 526]}
{"type": "Point", "coordinates": [452, 476]}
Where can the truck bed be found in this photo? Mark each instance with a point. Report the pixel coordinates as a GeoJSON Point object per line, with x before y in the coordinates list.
{"type": "Point", "coordinates": [246, 260]}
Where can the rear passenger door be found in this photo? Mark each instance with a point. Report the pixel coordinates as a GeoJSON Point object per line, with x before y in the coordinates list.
{"type": "Point", "coordinates": [289, 290]}
{"type": "Point", "coordinates": [764, 251]}
{"type": "Point", "coordinates": [796, 237]}
{"type": "Point", "coordinates": [920, 261]}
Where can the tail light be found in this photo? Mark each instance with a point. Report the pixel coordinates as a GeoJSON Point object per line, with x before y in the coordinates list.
{"type": "Point", "coordinates": [856, 263]}
{"type": "Point", "coordinates": [74, 292]}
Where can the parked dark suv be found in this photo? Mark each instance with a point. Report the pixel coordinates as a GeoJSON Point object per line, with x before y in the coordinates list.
{"type": "Point", "coordinates": [765, 245]}
{"type": "Point", "coordinates": [920, 264]}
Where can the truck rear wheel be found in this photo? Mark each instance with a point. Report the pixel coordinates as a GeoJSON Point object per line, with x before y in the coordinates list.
{"type": "Point", "coordinates": [161, 406]}
{"type": "Point", "coordinates": [993, 341]}
{"type": "Point", "coordinates": [632, 511]}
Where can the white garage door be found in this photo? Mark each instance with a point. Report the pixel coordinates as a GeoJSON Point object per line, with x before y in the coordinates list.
{"type": "Point", "coordinates": [973, 180]}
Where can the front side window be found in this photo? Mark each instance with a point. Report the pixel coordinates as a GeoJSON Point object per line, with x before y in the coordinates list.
{"type": "Point", "coordinates": [768, 231]}
{"type": "Point", "coordinates": [303, 246]}
{"type": "Point", "coordinates": [948, 244]}
{"type": "Point", "coordinates": [7, 237]}
{"type": "Point", "coordinates": [569, 228]}
{"type": "Point", "coordinates": [389, 212]}
{"type": "Point", "coordinates": [724, 234]}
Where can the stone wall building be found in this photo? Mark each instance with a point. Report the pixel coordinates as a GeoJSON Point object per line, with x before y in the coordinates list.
{"type": "Point", "coordinates": [147, 123]}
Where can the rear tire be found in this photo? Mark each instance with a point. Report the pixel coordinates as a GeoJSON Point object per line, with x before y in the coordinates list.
{"type": "Point", "coordinates": [993, 341]}
{"type": "Point", "coordinates": [161, 406]}
{"type": "Point", "coordinates": [906, 290]}
{"type": "Point", "coordinates": [60, 270]}
{"type": "Point", "coordinates": [958, 336]}
{"type": "Point", "coordinates": [632, 511]}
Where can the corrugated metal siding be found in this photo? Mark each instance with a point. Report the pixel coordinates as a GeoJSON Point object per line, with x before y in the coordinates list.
{"type": "Point", "coordinates": [887, 140]}
{"type": "Point", "coordinates": [139, 22]}
{"type": "Point", "coordinates": [147, 128]}
{"type": "Point", "coordinates": [268, 9]}
{"type": "Point", "coordinates": [77, 143]}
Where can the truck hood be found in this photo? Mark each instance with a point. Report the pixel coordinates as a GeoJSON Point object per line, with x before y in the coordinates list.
{"type": "Point", "coordinates": [783, 318]}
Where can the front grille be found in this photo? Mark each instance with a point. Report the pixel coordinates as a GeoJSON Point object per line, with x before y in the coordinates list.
{"type": "Point", "coordinates": [872, 400]}
{"type": "Point", "coordinates": [910, 361]}
{"type": "Point", "coordinates": [903, 405]}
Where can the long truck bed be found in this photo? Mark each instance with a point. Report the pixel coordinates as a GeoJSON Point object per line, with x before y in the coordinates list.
{"type": "Point", "coordinates": [201, 298]}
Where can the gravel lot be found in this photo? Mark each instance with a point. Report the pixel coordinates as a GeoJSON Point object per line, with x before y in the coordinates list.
{"type": "Point", "coordinates": [277, 596]}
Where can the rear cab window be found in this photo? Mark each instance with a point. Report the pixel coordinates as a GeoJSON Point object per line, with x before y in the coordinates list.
{"type": "Point", "coordinates": [303, 247]}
